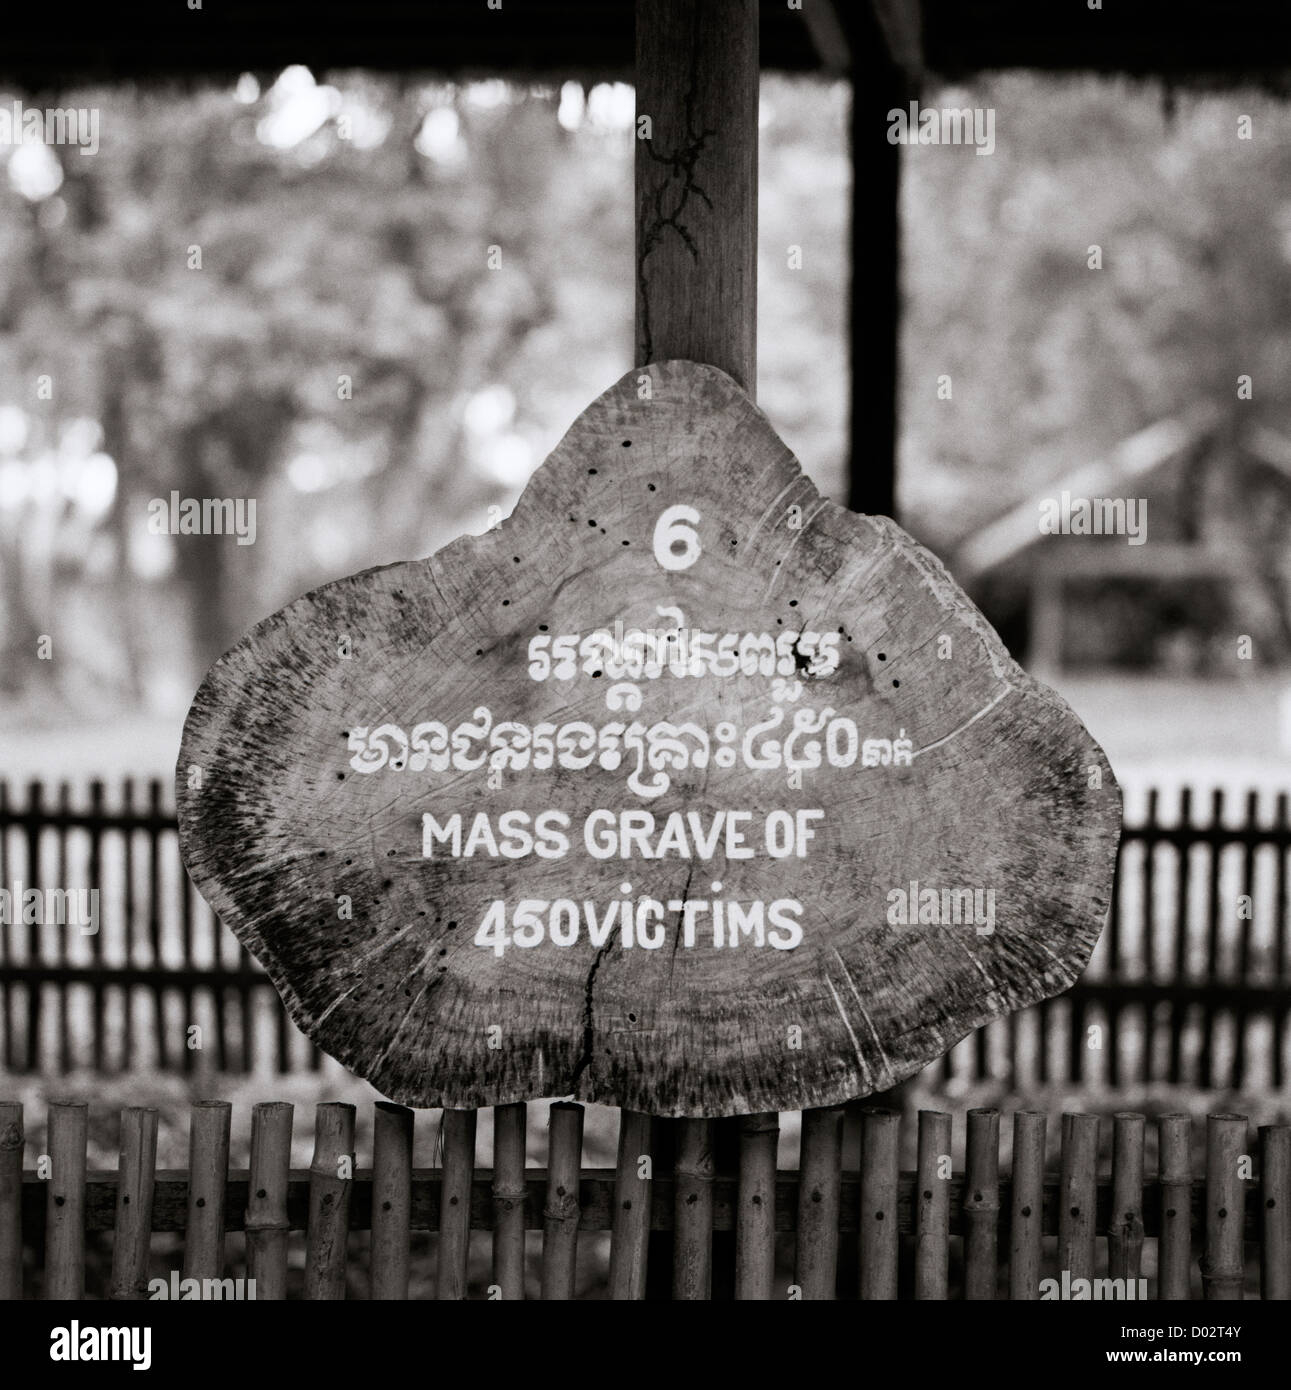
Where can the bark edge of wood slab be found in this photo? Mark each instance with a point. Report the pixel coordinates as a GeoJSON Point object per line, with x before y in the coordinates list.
{"type": "Point", "coordinates": [952, 788]}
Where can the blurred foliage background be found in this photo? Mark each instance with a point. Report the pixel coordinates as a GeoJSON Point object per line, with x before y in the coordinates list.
{"type": "Point", "coordinates": [1054, 363]}
{"type": "Point", "coordinates": [196, 290]}
{"type": "Point", "coordinates": [1121, 259]}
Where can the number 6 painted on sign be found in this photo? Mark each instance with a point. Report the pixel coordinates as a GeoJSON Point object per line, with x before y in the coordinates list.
{"type": "Point", "coordinates": [676, 526]}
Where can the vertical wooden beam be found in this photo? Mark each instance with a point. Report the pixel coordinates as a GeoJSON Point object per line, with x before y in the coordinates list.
{"type": "Point", "coordinates": [696, 269]}
{"type": "Point", "coordinates": [697, 183]}
{"type": "Point", "coordinates": [901, 24]}
{"type": "Point", "coordinates": [878, 86]}
{"type": "Point", "coordinates": [1045, 623]}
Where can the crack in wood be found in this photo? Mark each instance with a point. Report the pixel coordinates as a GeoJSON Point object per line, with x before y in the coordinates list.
{"type": "Point", "coordinates": [589, 1032]}
{"type": "Point", "coordinates": [682, 162]}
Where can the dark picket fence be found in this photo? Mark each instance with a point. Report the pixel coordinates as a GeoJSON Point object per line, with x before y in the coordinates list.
{"type": "Point", "coordinates": [126, 996]}
{"type": "Point", "coordinates": [820, 1231]}
{"type": "Point", "coordinates": [1190, 983]}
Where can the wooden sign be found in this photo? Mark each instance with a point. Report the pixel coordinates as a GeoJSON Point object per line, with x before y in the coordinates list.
{"type": "Point", "coordinates": [682, 789]}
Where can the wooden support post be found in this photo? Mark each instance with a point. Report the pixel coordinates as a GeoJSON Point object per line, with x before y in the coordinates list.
{"type": "Point", "coordinates": [697, 183]}
{"type": "Point", "coordinates": [878, 86]}
{"type": "Point", "coordinates": [696, 259]}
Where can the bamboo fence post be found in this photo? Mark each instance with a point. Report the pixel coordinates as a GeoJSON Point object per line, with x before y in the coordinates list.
{"type": "Point", "coordinates": [932, 1207]}
{"type": "Point", "coordinates": [1174, 1254]}
{"type": "Point", "coordinates": [11, 1149]}
{"type": "Point", "coordinates": [693, 1219]}
{"type": "Point", "coordinates": [1077, 1196]}
{"type": "Point", "coordinates": [1125, 1229]}
{"type": "Point", "coordinates": [1223, 1265]}
{"type": "Point", "coordinates": [510, 1191]}
{"type": "Point", "coordinates": [392, 1136]}
{"type": "Point", "coordinates": [266, 1221]}
{"type": "Point", "coordinates": [458, 1132]}
{"type": "Point", "coordinates": [981, 1204]}
{"type": "Point", "coordinates": [755, 1210]}
{"type": "Point", "coordinates": [331, 1176]}
{"type": "Point", "coordinates": [820, 1199]}
{"type": "Point", "coordinates": [879, 1239]}
{"type": "Point", "coordinates": [65, 1201]}
{"type": "Point", "coordinates": [208, 1174]}
{"type": "Point", "coordinates": [1275, 1212]}
{"type": "Point", "coordinates": [633, 1193]}
{"type": "Point", "coordinates": [136, 1177]}
{"type": "Point", "coordinates": [562, 1211]}
{"type": "Point", "coordinates": [1026, 1205]}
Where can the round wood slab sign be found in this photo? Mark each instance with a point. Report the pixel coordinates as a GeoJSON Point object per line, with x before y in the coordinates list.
{"type": "Point", "coordinates": [682, 789]}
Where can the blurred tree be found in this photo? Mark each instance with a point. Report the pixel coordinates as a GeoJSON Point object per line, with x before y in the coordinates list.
{"type": "Point", "coordinates": [222, 274]}
{"type": "Point", "coordinates": [1052, 359]}
{"type": "Point", "coordinates": [370, 304]}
